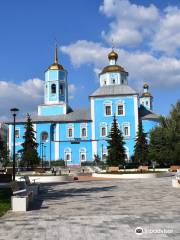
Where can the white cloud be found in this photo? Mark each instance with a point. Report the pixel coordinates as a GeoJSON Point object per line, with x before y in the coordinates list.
{"type": "Point", "coordinates": [142, 66]}
{"type": "Point", "coordinates": [167, 36]}
{"type": "Point", "coordinates": [161, 72]}
{"type": "Point", "coordinates": [25, 96]}
{"type": "Point", "coordinates": [71, 90]}
{"type": "Point", "coordinates": [85, 52]}
{"type": "Point", "coordinates": [131, 23]}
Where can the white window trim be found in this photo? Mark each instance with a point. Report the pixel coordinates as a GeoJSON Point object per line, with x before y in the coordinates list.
{"type": "Point", "coordinates": [127, 153]}
{"type": "Point", "coordinates": [104, 152]}
{"type": "Point", "coordinates": [103, 125]}
{"type": "Point", "coordinates": [17, 129]}
{"type": "Point", "coordinates": [70, 127]}
{"type": "Point", "coordinates": [82, 151]}
{"type": "Point", "coordinates": [124, 110]}
{"type": "Point", "coordinates": [107, 104]}
{"type": "Point", "coordinates": [67, 151]}
{"type": "Point", "coordinates": [84, 125]}
{"type": "Point", "coordinates": [129, 129]}
{"type": "Point", "coordinates": [47, 136]}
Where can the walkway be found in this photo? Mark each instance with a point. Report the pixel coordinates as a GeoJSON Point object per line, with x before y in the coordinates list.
{"type": "Point", "coordinates": [96, 210]}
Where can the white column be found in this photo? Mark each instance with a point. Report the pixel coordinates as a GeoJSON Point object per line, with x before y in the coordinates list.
{"type": "Point", "coordinates": [10, 139]}
{"type": "Point", "coordinates": [94, 143]}
{"type": "Point", "coordinates": [57, 143]}
{"type": "Point", "coordinates": [34, 127]}
{"type": "Point", "coordinates": [136, 113]}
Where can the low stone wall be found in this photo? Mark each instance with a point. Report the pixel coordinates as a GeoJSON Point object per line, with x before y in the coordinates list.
{"type": "Point", "coordinates": [133, 175]}
{"type": "Point", "coordinates": [48, 179]}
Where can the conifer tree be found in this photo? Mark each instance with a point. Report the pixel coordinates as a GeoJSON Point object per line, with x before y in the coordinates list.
{"type": "Point", "coordinates": [29, 150]}
{"type": "Point", "coordinates": [141, 146]}
{"type": "Point", "coordinates": [3, 152]}
{"type": "Point", "coordinates": [116, 150]}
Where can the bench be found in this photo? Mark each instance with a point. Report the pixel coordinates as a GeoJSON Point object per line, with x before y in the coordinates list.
{"type": "Point", "coordinates": [143, 169]}
{"type": "Point", "coordinates": [113, 169]}
{"type": "Point", "coordinates": [174, 168]}
{"type": "Point", "coordinates": [21, 198]}
{"type": "Point", "coordinates": [176, 180]}
{"type": "Point", "coordinates": [34, 187]}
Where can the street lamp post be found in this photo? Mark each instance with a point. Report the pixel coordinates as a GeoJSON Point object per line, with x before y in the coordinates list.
{"type": "Point", "coordinates": [14, 112]}
{"type": "Point", "coordinates": [45, 155]}
{"type": "Point", "coordinates": [42, 153]}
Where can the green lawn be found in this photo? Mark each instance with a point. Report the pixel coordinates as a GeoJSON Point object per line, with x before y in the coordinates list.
{"type": "Point", "coordinates": [5, 200]}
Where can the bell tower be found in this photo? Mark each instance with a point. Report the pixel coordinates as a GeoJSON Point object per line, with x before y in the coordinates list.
{"type": "Point", "coordinates": [55, 89]}
{"type": "Point", "coordinates": [113, 74]}
{"type": "Point", "coordinates": [146, 99]}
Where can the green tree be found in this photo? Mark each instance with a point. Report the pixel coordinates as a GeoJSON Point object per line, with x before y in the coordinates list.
{"type": "Point", "coordinates": [96, 159]}
{"type": "Point", "coordinates": [4, 156]}
{"type": "Point", "coordinates": [164, 145]}
{"type": "Point", "coordinates": [141, 146]}
{"type": "Point", "coordinates": [116, 150]}
{"type": "Point", "coordinates": [29, 154]}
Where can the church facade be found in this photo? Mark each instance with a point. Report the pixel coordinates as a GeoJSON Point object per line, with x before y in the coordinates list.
{"type": "Point", "coordinates": [76, 136]}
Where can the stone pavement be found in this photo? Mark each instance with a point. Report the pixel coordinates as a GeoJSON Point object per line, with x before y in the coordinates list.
{"type": "Point", "coordinates": [99, 210]}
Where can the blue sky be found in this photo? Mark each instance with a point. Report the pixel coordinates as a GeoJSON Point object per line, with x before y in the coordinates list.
{"type": "Point", "coordinates": [146, 35]}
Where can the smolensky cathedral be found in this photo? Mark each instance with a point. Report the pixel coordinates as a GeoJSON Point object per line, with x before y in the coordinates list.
{"type": "Point", "coordinates": [75, 136]}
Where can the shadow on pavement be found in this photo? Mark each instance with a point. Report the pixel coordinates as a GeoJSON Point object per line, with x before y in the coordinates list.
{"type": "Point", "coordinates": [50, 193]}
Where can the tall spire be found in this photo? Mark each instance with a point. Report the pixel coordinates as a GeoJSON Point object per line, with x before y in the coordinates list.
{"type": "Point", "coordinates": [55, 65]}
{"type": "Point", "coordinates": [112, 44]}
{"type": "Point", "coordinates": [56, 54]}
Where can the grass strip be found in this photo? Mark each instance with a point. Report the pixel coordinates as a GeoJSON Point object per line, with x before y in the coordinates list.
{"type": "Point", "coordinates": [5, 200]}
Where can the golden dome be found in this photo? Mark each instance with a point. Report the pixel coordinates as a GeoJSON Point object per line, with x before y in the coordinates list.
{"type": "Point", "coordinates": [113, 68]}
{"type": "Point", "coordinates": [113, 55]}
{"type": "Point", "coordinates": [55, 65]}
{"type": "Point", "coordinates": [145, 85]}
{"type": "Point", "coordinates": [147, 94]}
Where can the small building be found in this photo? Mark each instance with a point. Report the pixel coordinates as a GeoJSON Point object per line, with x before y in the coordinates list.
{"type": "Point", "coordinates": [78, 135]}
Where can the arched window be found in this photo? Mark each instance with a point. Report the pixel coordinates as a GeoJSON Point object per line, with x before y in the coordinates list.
{"type": "Point", "coordinates": [61, 90]}
{"type": "Point", "coordinates": [44, 137]}
{"type": "Point", "coordinates": [70, 132]}
{"type": "Point", "coordinates": [83, 132]}
{"type": "Point", "coordinates": [83, 154]}
{"type": "Point", "coordinates": [103, 129]}
{"type": "Point", "coordinates": [67, 154]}
{"type": "Point", "coordinates": [53, 88]}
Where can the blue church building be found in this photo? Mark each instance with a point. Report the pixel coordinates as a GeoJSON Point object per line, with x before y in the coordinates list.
{"type": "Point", "coordinates": [75, 136]}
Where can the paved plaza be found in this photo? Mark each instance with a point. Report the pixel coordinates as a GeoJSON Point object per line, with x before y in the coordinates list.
{"type": "Point", "coordinates": [96, 210]}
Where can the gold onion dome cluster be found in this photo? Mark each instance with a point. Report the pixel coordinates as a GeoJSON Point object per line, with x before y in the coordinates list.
{"type": "Point", "coordinates": [145, 85]}
{"type": "Point", "coordinates": [146, 94]}
{"type": "Point", "coordinates": [113, 68]}
{"type": "Point", "coordinates": [113, 55]}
